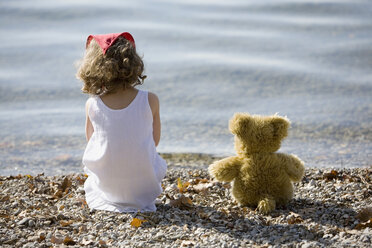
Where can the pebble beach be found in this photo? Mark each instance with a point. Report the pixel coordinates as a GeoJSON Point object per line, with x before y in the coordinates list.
{"type": "Point", "coordinates": [330, 208]}
{"type": "Point", "coordinates": [206, 60]}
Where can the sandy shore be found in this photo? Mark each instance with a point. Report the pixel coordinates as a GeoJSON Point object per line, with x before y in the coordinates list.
{"type": "Point", "coordinates": [330, 208]}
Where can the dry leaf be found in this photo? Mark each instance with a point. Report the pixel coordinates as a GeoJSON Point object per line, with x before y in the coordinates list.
{"type": "Point", "coordinates": [182, 202]}
{"type": "Point", "coordinates": [137, 222]}
{"type": "Point", "coordinates": [295, 219]}
{"type": "Point", "coordinates": [58, 194]}
{"type": "Point", "coordinates": [182, 187]}
{"type": "Point", "coordinates": [365, 214]}
{"type": "Point", "coordinates": [29, 176]}
{"type": "Point", "coordinates": [364, 225]}
{"type": "Point", "coordinates": [200, 180]}
{"type": "Point", "coordinates": [68, 241]}
{"type": "Point", "coordinates": [331, 175]}
{"type": "Point", "coordinates": [62, 207]}
{"type": "Point", "coordinates": [4, 216]}
{"type": "Point", "coordinates": [31, 186]}
{"type": "Point", "coordinates": [41, 238]}
{"type": "Point", "coordinates": [5, 198]}
{"type": "Point", "coordinates": [80, 180]}
{"type": "Point", "coordinates": [65, 223]}
{"type": "Point", "coordinates": [15, 177]}
{"type": "Point", "coordinates": [66, 184]}
{"type": "Point", "coordinates": [102, 243]}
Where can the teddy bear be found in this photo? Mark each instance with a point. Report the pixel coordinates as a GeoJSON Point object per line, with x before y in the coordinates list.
{"type": "Point", "coordinates": [260, 176]}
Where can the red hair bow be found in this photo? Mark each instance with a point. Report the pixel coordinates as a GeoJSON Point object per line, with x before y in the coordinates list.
{"type": "Point", "coordinates": [107, 40]}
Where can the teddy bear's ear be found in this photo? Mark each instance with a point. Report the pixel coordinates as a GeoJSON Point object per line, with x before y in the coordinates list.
{"type": "Point", "coordinates": [239, 123]}
{"type": "Point", "coordinates": [280, 125]}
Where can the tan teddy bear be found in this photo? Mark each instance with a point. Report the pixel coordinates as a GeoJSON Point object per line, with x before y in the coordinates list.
{"type": "Point", "coordinates": [261, 177]}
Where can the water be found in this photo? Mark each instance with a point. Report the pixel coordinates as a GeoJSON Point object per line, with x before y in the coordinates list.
{"type": "Point", "coordinates": [309, 60]}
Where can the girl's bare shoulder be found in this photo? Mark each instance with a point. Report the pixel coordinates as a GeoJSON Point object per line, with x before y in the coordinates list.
{"type": "Point", "coordinates": [87, 103]}
{"type": "Point", "coordinates": [154, 102]}
{"type": "Point", "coordinates": [153, 98]}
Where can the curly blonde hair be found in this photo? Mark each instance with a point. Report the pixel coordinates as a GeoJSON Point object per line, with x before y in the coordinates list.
{"type": "Point", "coordinates": [120, 67]}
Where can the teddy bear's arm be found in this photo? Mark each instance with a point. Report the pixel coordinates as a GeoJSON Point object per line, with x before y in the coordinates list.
{"type": "Point", "coordinates": [293, 166]}
{"type": "Point", "coordinates": [225, 170]}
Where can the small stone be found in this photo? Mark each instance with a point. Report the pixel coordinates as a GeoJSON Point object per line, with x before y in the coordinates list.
{"type": "Point", "coordinates": [49, 236]}
{"type": "Point", "coordinates": [32, 238]}
{"type": "Point", "coordinates": [99, 226]}
{"type": "Point", "coordinates": [24, 221]}
{"type": "Point", "coordinates": [159, 235]}
{"type": "Point", "coordinates": [61, 217]}
{"type": "Point", "coordinates": [312, 183]}
{"type": "Point", "coordinates": [81, 190]}
{"type": "Point", "coordinates": [31, 223]}
{"type": "Point", "coordinates": [365, 239]}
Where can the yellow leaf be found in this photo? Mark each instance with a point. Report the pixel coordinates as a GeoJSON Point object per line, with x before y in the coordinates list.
{"type": "Point", "coordinates": [182, 187]}
{"type": "Point", "coordinates": [137, 222]}
{"type": "Point", "coordinates": [179, 183]}
{"type": "Point", "coordinates": [29, 176]}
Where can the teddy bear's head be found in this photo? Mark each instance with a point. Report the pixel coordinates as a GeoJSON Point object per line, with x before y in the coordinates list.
{"type": "Point", "coordinates": [254, 133]}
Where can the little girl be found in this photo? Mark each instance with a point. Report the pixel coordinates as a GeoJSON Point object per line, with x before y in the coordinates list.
{"type": "Point", "coordinates": [122, 128]}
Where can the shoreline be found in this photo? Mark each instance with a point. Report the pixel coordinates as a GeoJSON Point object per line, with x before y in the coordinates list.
{"type": "Point", "coordinates": [66, 164]}
{"type": "Point", "coordinates": [329, 208]}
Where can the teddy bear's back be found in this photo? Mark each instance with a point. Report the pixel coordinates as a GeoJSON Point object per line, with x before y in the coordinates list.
{"type": "Point", "coordinates": [262, 175]}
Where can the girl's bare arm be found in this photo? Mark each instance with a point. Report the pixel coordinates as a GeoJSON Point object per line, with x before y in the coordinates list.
{"type": "Point", "coordinates": [156, 125]}
{"type": "Point", "coordinates": [88, 124]}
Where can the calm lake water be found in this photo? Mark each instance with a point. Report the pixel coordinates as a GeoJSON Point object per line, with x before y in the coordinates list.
{"type": "Point", "coordinates": [310, 60]}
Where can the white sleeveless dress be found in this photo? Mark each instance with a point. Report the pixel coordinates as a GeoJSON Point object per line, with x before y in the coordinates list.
{"type": "Point", "coordinates": [124, 170]}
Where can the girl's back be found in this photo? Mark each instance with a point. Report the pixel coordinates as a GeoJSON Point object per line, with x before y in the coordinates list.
{"type": "Point", "coordinates": [120, 159]}
{"type": "Point", "coordinates": [122, 128]}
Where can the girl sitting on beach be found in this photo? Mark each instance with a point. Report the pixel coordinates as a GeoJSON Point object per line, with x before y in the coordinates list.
{"type": "Point", "coordinates": [122, 128]}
